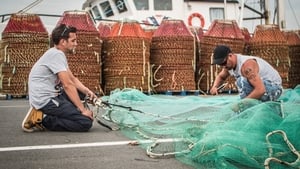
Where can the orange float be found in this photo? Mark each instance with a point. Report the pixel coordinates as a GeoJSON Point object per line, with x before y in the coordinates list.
{"type": "Point", "coordinates": [197, 15]}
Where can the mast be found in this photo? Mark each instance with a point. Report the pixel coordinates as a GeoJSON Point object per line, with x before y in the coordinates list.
{"type": "Point", "coordinates": [267, 11]}
{"type": "Point", "coordinates": [281, 14]}
{"type": "Point", "coordinates": [225, 8]}
{"type": "Point", "coordinates": [241, 13]}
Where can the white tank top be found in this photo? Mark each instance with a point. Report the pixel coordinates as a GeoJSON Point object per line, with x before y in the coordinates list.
{"type": "Point", "coordinates": [266, 71]}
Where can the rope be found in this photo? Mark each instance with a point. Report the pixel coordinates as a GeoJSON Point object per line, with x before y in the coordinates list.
{"type": "Point", "coordinates": [150, 150]}
{"type": "Point", "coordinates": [173, 83]}
{"type": "Point", "coordinates": [5, 52]}
{"type": "Point", "coordinates": [144, 58]}
{"type": "Point", "coordinates": [153, 78]}
{"type": "Point", "coordinates": [1, 81]}
{"type": "Point", "coordinates": [154, 75]}
{"type": "Point", "coordinates": [1, 66]}
{"type": "Point", "coordinates": [101, 91]}
{"type": "Point", "coordinates": [195, 55]}
{"type": "Point", "coordinates": [121, 27]}
{"type": "Point", "coordinates": [149, 78]}
{"type": "Point", "coordinates": [124, 82]}
{"type": "Point", "coordinates": [8, 59]}
{"type": "Point", "coordinates": [25, 85]}
{"type": "Point", "coordinates": [9, 81]}
{"type": "Point", "coordinates": [289, 144]}
{"type": "Point", "coordinates": [14, 70]}
{"type": "Point", "coordinates": [97, 56]}
{"type": "Point", "coordinates": [198, 83]}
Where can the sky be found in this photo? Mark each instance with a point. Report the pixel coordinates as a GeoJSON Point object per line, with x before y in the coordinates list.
{"type": "Point", "coordinates": [57, 7]}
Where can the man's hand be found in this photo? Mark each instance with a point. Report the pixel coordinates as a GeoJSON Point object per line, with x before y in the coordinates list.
{"type": "Point", "coordinates": [92, 96]}
{"type": "Point", "coordinates": [88, 113]}
{"type": "Point", "coordinates": [214, 91]}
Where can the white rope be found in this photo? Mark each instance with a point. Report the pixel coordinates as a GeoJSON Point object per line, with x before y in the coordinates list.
{"type": "Point", "coordinates": [144, 58]}
{"type": "Point", "coordinates": [5, 53]}
{"type": "Point", "coordinates": [120, 29]}
{"type": "Point", "coordinates": [289, 144]}
{"type": "Point", "coordinates": [154, 78]}
{"type": "Point", "coordinates": [1, 81]}
{"type": "Point", "coordinates": [149, 78]}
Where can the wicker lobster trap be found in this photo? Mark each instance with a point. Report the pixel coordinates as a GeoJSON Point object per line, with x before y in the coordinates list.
{"type": "Point", "coordinates": [24, 40]}
{"type": "Point", "coordinates": [126, 59]}
{"type": "Point", "coordinates": [220, 32]}
{"type": "Point", "coordinates": [173, 57]}
{"type": "Point", "coordinates": [85, 63]}
{"type": "Point", "coordinates": [269, 43]}
{"type": "Point", "coordinates": [293, 41]}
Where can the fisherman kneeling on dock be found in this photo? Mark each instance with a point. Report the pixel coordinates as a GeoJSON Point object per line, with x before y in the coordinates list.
{"type": "Point", "coordinates": [55, 94]}
{"type": "Point", "coordinates": [255, 77]}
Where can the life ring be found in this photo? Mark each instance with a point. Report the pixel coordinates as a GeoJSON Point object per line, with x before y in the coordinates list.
{"type": "Point", "coordinates": [197, 15]}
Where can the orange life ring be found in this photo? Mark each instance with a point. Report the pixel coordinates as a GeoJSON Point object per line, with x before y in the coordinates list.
{"type": "Point", "coordinates": [197, 15]}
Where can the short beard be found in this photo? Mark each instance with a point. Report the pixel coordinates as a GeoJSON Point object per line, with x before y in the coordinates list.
{"type": "Point", "coordinates": [72, 51]}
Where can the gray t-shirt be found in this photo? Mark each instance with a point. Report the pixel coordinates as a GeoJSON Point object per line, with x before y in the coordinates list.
{"type": "Point", "coordinates": [43, 77]}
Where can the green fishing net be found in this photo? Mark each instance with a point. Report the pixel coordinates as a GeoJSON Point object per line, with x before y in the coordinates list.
{"type": "Point", "coordinates": [211, 131]}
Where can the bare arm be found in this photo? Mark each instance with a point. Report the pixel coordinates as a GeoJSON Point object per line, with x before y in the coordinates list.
{"type": "Point", "coordinates": [221, 77]}
{"type": "Point", "coordinates": [83, 89]}
{"type": "Point", "coordinates": [70, 86]}
{"type": "Point", "coordinates": [250, 70]}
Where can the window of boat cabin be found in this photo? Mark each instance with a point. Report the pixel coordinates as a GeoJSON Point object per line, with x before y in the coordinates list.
{"type": "Point", "coordinates": [121, 6]}
{"type": "Point", "coordinates": [162, 4]}
{"type": "Point", "coordinates": [96, 12]}
{"type": "Point", "coordinates": [106, 8]}
{"type": "Point", "coordinates": [216, 13]}
{"type": "Point", "coordinates": [141, 4]}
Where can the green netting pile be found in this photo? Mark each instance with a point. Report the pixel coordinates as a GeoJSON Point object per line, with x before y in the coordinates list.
{"type": "Point", "coordinates": [212, 131]}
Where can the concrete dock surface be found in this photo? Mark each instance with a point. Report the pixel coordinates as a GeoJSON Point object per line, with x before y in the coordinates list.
{"type": "Point", "coordinates": [98, 148]}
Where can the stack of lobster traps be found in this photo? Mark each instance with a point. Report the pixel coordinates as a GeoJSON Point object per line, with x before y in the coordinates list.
{"type": "Point", "coordinates": [126, 60]}
{"type": "Point", "coordinates": [269, 43]}
{"type": "Point", "coordinates": [24, 40]}
{"type": "Point", "coordinates": [85, 62]}
{"type": "Point", "coordinates": [293, 41]}
{"type": "Point", "coordinates": [220, 32]}
{"type": "Point", "coordinates": [173, 57]}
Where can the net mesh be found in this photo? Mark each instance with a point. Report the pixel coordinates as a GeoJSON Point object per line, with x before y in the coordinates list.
{"type": "Point", "coordinates": [211, 131]}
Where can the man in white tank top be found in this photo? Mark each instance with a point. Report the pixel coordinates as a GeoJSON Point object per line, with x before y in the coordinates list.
{"type": "Point", "coordinates": [255, 78]}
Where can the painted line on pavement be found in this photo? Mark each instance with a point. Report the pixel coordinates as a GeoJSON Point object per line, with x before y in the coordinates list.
{"type": "Point", "coordinates": [16, 106]}
{"type": "Point", "coordinates": [80, 145]}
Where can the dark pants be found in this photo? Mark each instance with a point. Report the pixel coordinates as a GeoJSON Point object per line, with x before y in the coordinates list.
{"type": "Point", "coordinates": [63, 115]}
